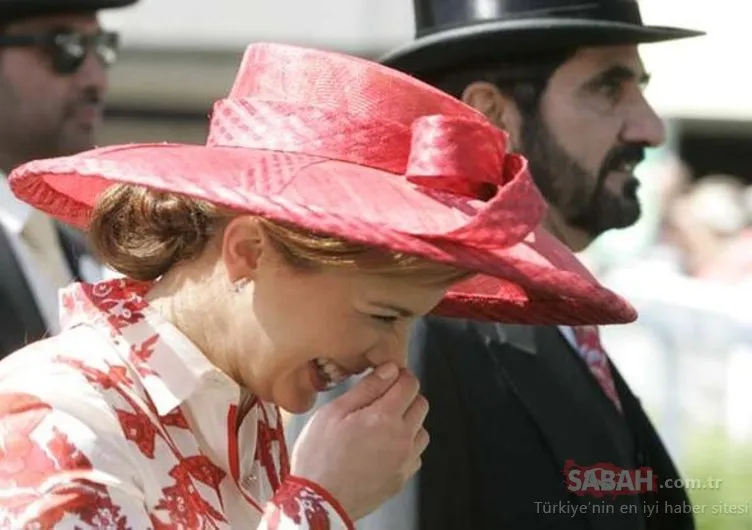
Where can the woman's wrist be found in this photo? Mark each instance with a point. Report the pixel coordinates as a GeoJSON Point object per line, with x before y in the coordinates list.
{"type": "Point", "coordinates": [298, 487]}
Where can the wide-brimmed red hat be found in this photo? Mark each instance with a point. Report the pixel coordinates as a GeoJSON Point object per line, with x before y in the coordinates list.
{"type": "Point", "coordinates": [347, 147]}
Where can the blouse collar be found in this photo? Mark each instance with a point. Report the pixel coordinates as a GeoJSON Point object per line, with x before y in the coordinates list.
{"type": "Point", "coordinates": [171, 367]}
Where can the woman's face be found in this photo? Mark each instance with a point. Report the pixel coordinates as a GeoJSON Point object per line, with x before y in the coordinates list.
{"type": "Point", "coordinates": [312, 330]}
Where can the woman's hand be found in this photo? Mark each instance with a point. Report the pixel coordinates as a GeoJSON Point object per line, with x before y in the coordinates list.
{"type": "Point", "coordinates": [363, 446]}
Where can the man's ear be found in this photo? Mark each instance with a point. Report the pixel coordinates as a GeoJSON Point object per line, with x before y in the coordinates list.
{"type": "Point", "coordinates": [497, 107]}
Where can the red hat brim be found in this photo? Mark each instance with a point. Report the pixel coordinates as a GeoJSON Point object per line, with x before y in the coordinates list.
{"type": "Point", "coordinates": [543, 282]}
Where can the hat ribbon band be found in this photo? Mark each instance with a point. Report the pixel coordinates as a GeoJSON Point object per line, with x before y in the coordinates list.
{"type": "Point", "coordinates": [439, 154]}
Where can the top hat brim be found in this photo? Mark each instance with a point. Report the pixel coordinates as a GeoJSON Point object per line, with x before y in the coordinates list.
{"type": "Point", "coordinates": [535, 281]}
{"type": "Point", "coordinates": [21, 9]}
{"type": "Point", "coordinates": [508, 39]}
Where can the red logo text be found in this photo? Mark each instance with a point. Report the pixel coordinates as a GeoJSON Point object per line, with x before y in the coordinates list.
{"type": "Point", "coordinates": [605, 479]}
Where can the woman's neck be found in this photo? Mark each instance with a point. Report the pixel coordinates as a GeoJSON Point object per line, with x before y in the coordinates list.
{"type": "Point", "coordinates": [245, 405]}
{"type": "Point", "coordinates": [191, 308]}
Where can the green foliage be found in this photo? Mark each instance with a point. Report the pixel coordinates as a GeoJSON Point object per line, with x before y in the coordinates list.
{"type": "Point", "coordinates": [712, 455]}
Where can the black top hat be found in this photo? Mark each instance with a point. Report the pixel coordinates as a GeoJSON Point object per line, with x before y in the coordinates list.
{"type": "Point", "coordinates": [14, 10]}
{"type": "Point", "coordinates": [455, 32]}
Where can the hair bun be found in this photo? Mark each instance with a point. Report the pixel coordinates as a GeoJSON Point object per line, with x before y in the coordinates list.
{"type": "Point", "coordinates": [142, 234]}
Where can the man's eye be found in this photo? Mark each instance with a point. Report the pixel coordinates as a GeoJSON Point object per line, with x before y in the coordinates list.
{"type": "Point", "coordinates": [612, 90]}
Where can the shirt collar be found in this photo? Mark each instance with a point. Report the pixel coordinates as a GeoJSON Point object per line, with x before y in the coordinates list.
{"type": "Point", "coordinates": [170, 366]}
{"type": "Point", "coordinates": [14, 214]}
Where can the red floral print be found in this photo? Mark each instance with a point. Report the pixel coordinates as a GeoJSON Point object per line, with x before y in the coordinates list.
{"type": "Point", "coordinates": [301, 503]}
{"type": "Point", "coordinates": [138, 429]}
{"type": "Point", "coordinates": [141, 353]}
{"type": "Point", "coordinates": [26, 464]}
{"type": "Point", "coordinates": [116, 448]}
{"type": "Point", "coordinates": [185, 505]}
{"type": "Point", "coordinates": [175, 419]}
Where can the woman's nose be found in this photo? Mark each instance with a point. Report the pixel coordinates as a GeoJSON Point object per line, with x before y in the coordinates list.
{"type": "Point", "coordinates": [392, 349]}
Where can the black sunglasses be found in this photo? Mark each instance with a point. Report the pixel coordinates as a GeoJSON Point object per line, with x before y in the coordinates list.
{"type": "Point", "coordinates": [69, 49]}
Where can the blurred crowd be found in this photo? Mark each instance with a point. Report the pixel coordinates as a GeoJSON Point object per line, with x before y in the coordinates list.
{"type": "Point", "coordinates": [705, 229]}
{"type": "Point", "coordinates": [695, 227]}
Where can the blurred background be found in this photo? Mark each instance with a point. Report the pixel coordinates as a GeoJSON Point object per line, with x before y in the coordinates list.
{"type": "Point", "coordinates": [687, 265]}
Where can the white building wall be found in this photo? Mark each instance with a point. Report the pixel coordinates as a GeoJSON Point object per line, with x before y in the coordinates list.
{"type": "Point", "coordinates": [192, 47]}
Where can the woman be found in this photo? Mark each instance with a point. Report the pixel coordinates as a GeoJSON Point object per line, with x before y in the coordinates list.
{"type": "Point", "coordinates": [335, 202]}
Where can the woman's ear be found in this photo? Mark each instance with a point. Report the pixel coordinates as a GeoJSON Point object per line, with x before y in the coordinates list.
{"type": "Point", "coordinates": [243, 244]}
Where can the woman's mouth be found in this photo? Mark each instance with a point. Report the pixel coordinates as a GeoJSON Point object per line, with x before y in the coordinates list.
{"type": "Point", "coordinates": [326, 374]}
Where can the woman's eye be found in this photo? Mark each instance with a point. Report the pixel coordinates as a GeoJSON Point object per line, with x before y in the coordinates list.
{"type": "Point", "coordinates": [386, 319]}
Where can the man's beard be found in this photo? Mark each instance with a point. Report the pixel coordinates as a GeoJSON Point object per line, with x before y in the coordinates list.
{"type": "Point", "coordinates": [24, 139]}
{"type": "Point", "coordinates": [580, 197]}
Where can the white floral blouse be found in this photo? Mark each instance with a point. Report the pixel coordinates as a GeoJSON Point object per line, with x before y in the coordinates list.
{"type": "Point", "coordinates": [121, 422]}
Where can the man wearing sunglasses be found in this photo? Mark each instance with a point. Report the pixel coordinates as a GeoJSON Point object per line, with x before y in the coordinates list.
{"type": "Point", "coordinates": [53, 78]}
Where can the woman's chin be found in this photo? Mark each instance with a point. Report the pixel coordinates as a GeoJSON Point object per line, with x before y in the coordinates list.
{"type": "Point", "coordinates": [297, 393]}
{"type": "Point", "coordinates": [299, 404]}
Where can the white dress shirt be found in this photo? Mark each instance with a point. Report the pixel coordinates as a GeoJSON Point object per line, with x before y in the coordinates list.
{"type": "Point", "coordinates": [14, 219]}
{"type": "Point", "coordinates": [568, 333]}
{"type": "Point", "coordinates": [36, 247]}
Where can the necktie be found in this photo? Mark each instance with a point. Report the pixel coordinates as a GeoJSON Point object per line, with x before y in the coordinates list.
{"type": "Point", "coordinates": [43, 244]}
{"type": "Point", "coordinates": [591, 350]}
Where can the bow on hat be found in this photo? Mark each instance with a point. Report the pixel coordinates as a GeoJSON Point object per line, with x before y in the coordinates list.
{"type": "Point", "coordinates": [438, 153]}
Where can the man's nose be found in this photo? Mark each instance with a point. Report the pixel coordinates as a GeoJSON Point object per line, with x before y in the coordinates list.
{"type": "Point", "coordinates": [643, 125]}
{"type": "Point", "coordinates": [93, 75]}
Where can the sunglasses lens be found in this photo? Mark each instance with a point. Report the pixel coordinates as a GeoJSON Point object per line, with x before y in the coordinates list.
{"type": "Point", "coordinates": [66, 63]}
{"type": "Point", "coordinates": [106, 53]}
{"type": "Point", "coordinates": [106, 46]}
{"type": "Point", "coordinates": [70, 50]}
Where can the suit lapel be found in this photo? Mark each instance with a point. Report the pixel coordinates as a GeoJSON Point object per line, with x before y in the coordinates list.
{"type": "Point", "coordinates": [535, 377]}
{"type": "Point", "coordinates": [560, 395]}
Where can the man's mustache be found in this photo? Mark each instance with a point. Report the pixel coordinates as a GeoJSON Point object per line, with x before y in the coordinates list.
{"type": "Point", "coordinates": [90, 97]}
{"type": "Point", "coordinates": [621, 155]}
{"type": "Point", "coordinates": [615, 159]}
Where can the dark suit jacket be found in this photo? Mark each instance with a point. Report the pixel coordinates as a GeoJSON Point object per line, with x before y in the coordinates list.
{"type": "Point", "coordinates": [509, 406]}
{"type": "Point", "coordinates": [20, 319]}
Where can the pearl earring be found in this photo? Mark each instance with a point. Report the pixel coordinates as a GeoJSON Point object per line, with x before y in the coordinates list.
{"type": "Point", "coordinates": [239, 285]}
